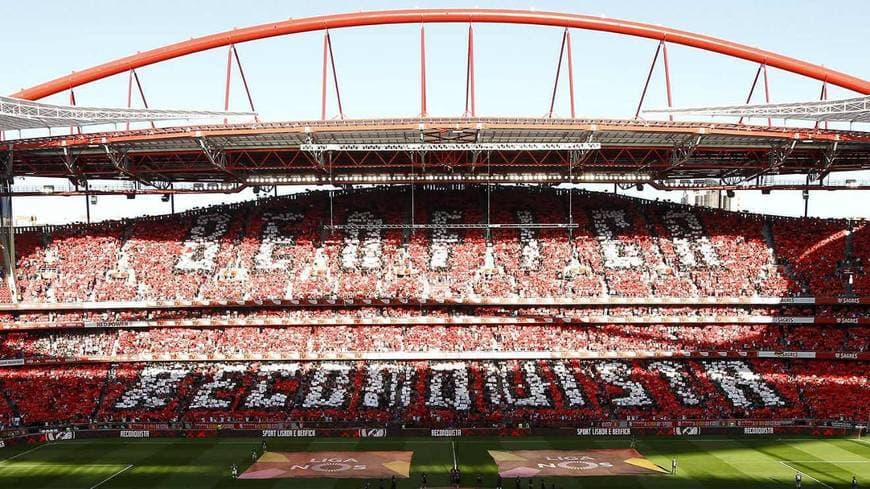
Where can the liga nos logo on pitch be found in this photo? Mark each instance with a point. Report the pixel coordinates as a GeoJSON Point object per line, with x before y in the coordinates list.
{"type": "Point", "coordinates": [331, 465]}
{"type": "Point", "coordinates": [571, 462]}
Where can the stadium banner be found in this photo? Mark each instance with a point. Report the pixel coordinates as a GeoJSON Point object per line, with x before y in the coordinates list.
{"type": "Point", "coordinates": [467, 431]}
{"type": "Point", "coordinates": [797, 300]}
{"type": "Point", "coordinates": [571, 463]}
{"type": "Point", "coordinates": [128, 433]}
{"type": "Point", "coordinates": [334, 465]}
{"type": "Point", "coordinates": [603, 432]}
{"type": "Point", "coordinates": [134, 434]}
{"type": "Point", "coordinates": [687, 431]}
{"type": "Point", "coordinates": [786, 354]}
{"type": "Point", "coordinates": [145, 434]}
{"type": "Point", "coordinates": [290, 433]}
{"type": "Point", "coordinates": [12, 433]}
{"type": "Point", "coordinates": [843, 356]}
{"type": "Point", "coordinates": [445, 433]}
{"type": "Point", "coordinates": [759, 428]}
{"type": "Point", "coordinates": [297, 433]}
{"type": "Point", "coordinates": [149, 426]}
{"type": "Point", "coordinates": [60, 435]}
{"type": "Point", "coordinates": [372, 432]}
{"type": "Point", "coordinates": [104, 324]}
{"type": "Point", "coordinates": [635, 424]}
{"type": "Point", "coordinates": [845, 300]}
{"type": "Point", "coordinates": [841, 320]}
{"type": "Point", "coordinates": [793, 319]}
{"type": "Point", "coordinates": [11, 362]}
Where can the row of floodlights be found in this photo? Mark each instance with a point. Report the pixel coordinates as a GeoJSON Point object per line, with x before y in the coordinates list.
{"type": "Point", "coordinates": [560, 146]}
{"type": "Point", "coordinates": [509, 177]}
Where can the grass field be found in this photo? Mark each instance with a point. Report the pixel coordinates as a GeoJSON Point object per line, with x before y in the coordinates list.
{"type": "Point", "coordinates": [705, 462]}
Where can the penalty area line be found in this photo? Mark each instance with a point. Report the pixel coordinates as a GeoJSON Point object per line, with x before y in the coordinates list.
{"type": "Point", "coordinates": [23, 453]}
{"type": "Point", "coordinates": [116, 474]}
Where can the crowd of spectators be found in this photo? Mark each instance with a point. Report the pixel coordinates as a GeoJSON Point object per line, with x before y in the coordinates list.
{"type": "Point", "coordinates": [860, 260]}
{"type": "Point", "coordinates": [430, 314]}
{"type": "Point", "coordinates": [812, 248]}
{"type": "Point", "coordinates": [288, 342]}
{"type": "Point", "coordinates": [284, 248]}
{"type": "Point", "coordinates": [442, 393]}
{"type": "Point", "coordinates": [426, 314]}
{"type": "Point", "coordinates": [281, 248]}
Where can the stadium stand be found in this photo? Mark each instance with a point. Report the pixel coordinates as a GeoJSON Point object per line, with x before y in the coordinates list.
{"type": "Point", "coordinates": [440, 393]}
{"type": "Point", "coordinates": [276, 249]}
{"type": "Point", "coordinates": [171, 319]}
{"type": "Point", "coordinates": [860, 258]}
{"type": "Point", "coordinates": [285, 342]}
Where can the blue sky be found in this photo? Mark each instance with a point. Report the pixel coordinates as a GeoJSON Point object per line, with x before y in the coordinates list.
{"type": "Point", "coordinates": [378, 67]}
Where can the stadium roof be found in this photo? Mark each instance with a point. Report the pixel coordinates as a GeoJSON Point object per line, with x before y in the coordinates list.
{"type": "Point", "coordinates": [846, 110]}
{"type": "Point", "coordinates": [467, 149]}
{"type": "Point", "coordinates": [304, 151]}
{"type": "Point", "coordinates": [17, 114]}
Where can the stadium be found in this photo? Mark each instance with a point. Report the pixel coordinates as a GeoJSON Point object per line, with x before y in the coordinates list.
{"type": "Point", "coordinates": [467, 300]}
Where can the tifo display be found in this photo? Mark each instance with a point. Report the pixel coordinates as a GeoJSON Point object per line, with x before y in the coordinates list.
{"type": "Point", "coordinates": [393, 299]}
{"type": "Point", "coordinates": [281, 248]}
{"type": "Point", "coordinates": [438, 393]}
{"type": "Point", "coordinates": [340, 314]}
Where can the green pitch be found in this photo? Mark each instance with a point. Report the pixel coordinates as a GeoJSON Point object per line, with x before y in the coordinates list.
{"type": "Point", "coordinates": [704, 462]}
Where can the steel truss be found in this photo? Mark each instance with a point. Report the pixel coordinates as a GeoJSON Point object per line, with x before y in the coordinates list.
{"type": "Point", "coordinates": [16, 114]}
{"type": "Point", "coordinates": [428, 16]}
{"type": "Point", "coordinates": [845, 110]}
{"type": "Point", "coordinates": [406, 150]}
{"type": "Point", "coordinates": [294, 165]}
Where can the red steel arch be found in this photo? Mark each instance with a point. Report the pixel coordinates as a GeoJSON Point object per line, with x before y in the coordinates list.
{"type": "Point", "coordinates": [501, 16]}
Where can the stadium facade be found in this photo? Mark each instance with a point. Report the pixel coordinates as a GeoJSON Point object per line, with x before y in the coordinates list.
{"type": "Point", "coordinates": [452, 279]}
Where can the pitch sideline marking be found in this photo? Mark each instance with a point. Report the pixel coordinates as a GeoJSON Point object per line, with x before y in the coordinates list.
{"type": "Point", "coordinates": [23, 453]}
{"type": "Point", "coordinates": [116, 474]}
{"type": "Point", "coordinates": [796, 470]}
{"type": "Point", "coordinates": [59, 465]}
{"type": "Point", "coordinates": [453, 449]}
{"type": "Point", "coordinates": [827, 461]}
